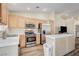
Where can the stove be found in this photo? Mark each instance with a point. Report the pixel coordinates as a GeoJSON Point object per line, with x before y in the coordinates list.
{"type": "Point", "coordinates": [30, 39]}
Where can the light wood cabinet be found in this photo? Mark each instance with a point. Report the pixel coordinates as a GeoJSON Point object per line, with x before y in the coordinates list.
{"type": "Point", "coordinates": [33, 21]}
{"type": "Point", "coordinates": [12, 21]}
{"type": "Point", "coordinates": [37, 39]}
{"type": "Point", "coordinates": [16, 21]}
{"type": "Point", "coordinates": [20, 21]}
{"type": "Point", "coordinates": [22, 41]}
{"type": "Point", "coordinates": [3, 13]}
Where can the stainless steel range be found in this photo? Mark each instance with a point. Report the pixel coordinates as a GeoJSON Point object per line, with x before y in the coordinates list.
{"type": "Point", "coordinates": [30, 39]}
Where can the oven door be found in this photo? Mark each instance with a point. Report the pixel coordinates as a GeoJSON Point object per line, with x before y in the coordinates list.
{"type": "Point", "coordinates": [30, 39]}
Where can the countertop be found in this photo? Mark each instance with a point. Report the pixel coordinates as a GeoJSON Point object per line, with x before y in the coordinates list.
{"type": "Point", "coordinates": [59, 35]}
{"type": "Point", "coordinates": [9, 41]}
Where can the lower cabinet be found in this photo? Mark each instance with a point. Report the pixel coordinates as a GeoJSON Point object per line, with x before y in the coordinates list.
{"type": "Point", "coordinates": [22, 41]}
{"type": "Point", "coordinates": [37, 39]}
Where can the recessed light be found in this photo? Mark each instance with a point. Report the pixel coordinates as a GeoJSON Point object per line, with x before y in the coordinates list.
{"type": "Point", "coordinates": [28, 9]}
{"type": "Point", "coordinates": [37, 7]}
{"type": "Point", "coordinates": [45, 9]}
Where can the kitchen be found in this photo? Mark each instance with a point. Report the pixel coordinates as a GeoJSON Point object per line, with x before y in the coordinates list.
{"type": "Point", "coordinates": [27, 29]}
{"type": "Point", "coordinates": [34, 28]}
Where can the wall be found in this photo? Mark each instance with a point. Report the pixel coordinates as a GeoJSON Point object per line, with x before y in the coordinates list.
{"type": "Point", "coordinates": [77, 21]}
{"type": "Point", "coordinates": [77, 26]}
{"type": "Point", "coordinates": [69, 22]}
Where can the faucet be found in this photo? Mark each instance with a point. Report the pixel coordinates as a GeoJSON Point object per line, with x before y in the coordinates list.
{"type": "Point", "coordinates": [4, 35]}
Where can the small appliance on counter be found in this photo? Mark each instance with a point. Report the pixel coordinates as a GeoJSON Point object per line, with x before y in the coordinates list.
{"type": "Point", "coordinates": [63, 29]}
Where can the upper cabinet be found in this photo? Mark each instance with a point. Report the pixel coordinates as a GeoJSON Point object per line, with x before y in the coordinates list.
{"type": "Point", "coordinates": [3, 13]}
{"type": "Point", "coordinates": [15, 21]}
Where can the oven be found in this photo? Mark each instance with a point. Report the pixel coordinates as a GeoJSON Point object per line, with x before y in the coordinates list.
{"type": "Point", "coordinates": [30, 39]}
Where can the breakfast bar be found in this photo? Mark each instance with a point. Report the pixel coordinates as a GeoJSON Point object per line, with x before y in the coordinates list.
{"type": "Point", "coordinates": [9, 46]}
{"type": "Point", "coordinates": [61, 44]}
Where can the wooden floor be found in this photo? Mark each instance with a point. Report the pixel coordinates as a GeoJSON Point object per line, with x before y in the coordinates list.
{"type": "Point", "coordinates": [32, 51]}
{"type": "Point", "coordinates": [38, 51]}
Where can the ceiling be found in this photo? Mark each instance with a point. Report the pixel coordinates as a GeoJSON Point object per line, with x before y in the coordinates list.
{"type": "Point", "coordinates": [71, 8]}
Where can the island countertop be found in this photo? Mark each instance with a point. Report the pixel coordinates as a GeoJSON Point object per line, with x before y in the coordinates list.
{"type": "Point", "coordinates": [9, 41]}
{"type": "Point", "coordinates": [59, 35]}
{"type": "Point", "coordinates": [61, 44]}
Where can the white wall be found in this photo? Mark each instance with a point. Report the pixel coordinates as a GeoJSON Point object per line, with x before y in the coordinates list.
{"type": "Point", "coordinates": [76, 29]}
{"type": "Point", "coordinates": [70, 23]}
{"type": "Point", "coordinates": [77, 21]}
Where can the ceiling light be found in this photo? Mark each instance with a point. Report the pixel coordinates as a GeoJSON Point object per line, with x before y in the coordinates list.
{"type": "Point", "coordinates": [28, 9]}
{"type": "Point", "coordinates": [44, 9]}
{"type": "Point", "coordinates": [37, 7]}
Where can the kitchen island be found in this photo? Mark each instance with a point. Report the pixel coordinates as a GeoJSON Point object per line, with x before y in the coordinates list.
{"type": "Point", "coordinates": [9, 46]}
{"type": "Point", "coordinates": [61, 43]}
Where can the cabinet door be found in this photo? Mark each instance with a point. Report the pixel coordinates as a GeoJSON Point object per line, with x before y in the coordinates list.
{"type": "Point", "coordinates": [22, 41]}
{"type": "Point", "coordinates": [4, 13]}
{"type": "Point", "coordinates": [16, 21]}
{"type": "Point", "coordinates": [70, 44]}
{"type": "Point", "coordinates": [38, 39]}
{"type": "Point", "coordinates": [60, 46]}
{"type": "Point", "coordinates": [20, 23]}
{"type": "Point", "coordinates": [0, 10]}
{"type": "Point", "coordinates": [12, 21]}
